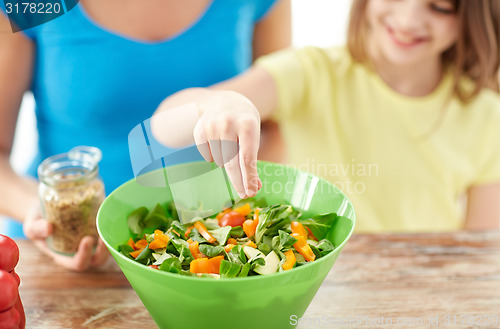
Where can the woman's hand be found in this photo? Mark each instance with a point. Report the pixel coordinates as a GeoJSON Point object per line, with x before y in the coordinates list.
{"type": "Point", "coordinates": [37, 229]}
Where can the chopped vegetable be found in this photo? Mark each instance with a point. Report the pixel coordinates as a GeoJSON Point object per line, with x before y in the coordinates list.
{"type": "Point", "coordinates": [249, 227]}
{"type": "Point", "coordinates": [194, 248]}
{"type": "Point", "coordinates": [250, 243]}
{"type": "Point", "coordinates": [233, 219]}
{"type": "Point", "coordinates": [136, 253]}
{"type": "Point", "coordinates": [200, 265]}
{"type": "Point", "coordinates": [131, 243]}
{"type": "Point", "coordinates": [157, 244]}
{"type": "Point", "coordinates": [141, 244]}
{"type": "Point", "coordinates": [290, 260]}
{"type": "Point", "coordinates": [299, 229]}
{"type": "Point", "coordinates": [242, 241]}
{"type": "Point", "coordinates": [228, 247]}
{"type": "Point", "coordinates": [244, 210]}
{"type": "Point", "coordinates": [203, 231]}
{"type": "Point", "coordinates": [303, 248]}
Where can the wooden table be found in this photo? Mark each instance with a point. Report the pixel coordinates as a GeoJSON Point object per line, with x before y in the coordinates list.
{"type": "Point", "coordinates": [439, 280]}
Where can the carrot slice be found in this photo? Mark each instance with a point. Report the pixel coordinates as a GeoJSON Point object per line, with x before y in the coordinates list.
{"type": "Point", "coordinates": [256, 214]}
{"type": "Point", "coordinates": [203, 231]}
{"type": "Point", "coordinates": [303, 248]}
{"type": "Point", "coordinates": [311, 235]}
{"type": "Point", "coordinates": [290, 260]}
{"type": "Point", "coordinates": [136, 253]}
{"type": "Point", "coordinates": [188, 230]}
{"type": "Point", "coordinates": [250, 244]}
{"type": "Point", "coordinates": [159, 235]}
{"type": "Point", "coordinates": [194, 247]}
{"type": "Point", "coordinates": [200, 265]}
{"type": "Point", "coordinates": [228, 247]}
{"type": "Point", "coordinates": [232, 241]}
{"type": "Point", "coordinates": [244, 210]}
{"type": "Point", "coordinates": [141, 244]}
{"type": "Point", "coordinates": [299, 229]}
{"type": "Point", "coordinates": [215, 264]}
{"type": "Point", "coordinates": [249, 226]}
{"type": "Point", "coordinates": [130, 242]}
{"type": "Point", "coordinates": [157, 244]}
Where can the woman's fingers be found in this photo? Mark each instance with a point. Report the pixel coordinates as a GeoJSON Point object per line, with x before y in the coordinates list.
{"type": "Point", "coordinates": [35, 226]}
{"type": "Point", "coordinates": [101, 254]}
{"type": "Point", "coordinates": [79, 262]}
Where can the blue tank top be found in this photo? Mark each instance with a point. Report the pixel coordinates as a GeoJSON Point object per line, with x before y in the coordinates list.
{"type": "Point", "coordinates": [92, 86]}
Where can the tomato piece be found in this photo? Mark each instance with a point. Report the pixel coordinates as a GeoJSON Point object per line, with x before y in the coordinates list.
{"type": "Point", "coordinates": [20, 309]}
{"type": "Point", "coordinates": [233, 219]}
{"type": "Point", "coordinates": [16, 277]}
{"type": "Point", "coordinates": [8, 286]}
{"type": "Point", "coordinates": [10, 318]}
{"type": "Point", "coordinates": [9, 253]}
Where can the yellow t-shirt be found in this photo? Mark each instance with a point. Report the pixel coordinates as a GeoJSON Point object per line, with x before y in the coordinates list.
{"type": "Point", "coordinates": [404, 162]}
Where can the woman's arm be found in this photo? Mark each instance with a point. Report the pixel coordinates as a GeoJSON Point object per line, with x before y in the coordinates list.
{"type": "Point", "coordinates": [483, 207]}
{"type": "Point", "coordinates": [16, 58]}
{"type": "Point", "coordinates": [274, 31]}
{"type": "Point", "coordinates": [19, 195]}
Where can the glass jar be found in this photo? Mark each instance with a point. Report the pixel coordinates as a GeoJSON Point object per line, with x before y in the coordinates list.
{"type": "Point", "coordinates": [71, 193]}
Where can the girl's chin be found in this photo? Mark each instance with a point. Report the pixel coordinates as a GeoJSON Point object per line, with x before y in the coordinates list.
{"type": "Point", "coordinates": [403, 57]}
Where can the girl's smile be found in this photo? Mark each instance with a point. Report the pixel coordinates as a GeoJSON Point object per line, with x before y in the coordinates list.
{"type": "Point", "coordinates": [411, 32]}
{"type": "Point", "coordinates": [405, 40]}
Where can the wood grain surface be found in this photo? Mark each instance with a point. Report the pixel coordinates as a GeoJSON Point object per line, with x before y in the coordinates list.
{"type": "Point", "coordinates": [438, 280]}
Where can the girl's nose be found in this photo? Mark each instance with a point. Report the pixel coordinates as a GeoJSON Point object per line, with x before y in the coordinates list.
{"type": "Point", "coordinates": [410, 16]}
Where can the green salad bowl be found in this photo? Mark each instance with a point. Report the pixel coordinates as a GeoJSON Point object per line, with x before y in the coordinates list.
{"type": "Point", "coordinates": [257, 302]}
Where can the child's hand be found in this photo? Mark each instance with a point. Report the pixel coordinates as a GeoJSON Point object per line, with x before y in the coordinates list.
{"type": "Point", "coordinates": [228, 133]}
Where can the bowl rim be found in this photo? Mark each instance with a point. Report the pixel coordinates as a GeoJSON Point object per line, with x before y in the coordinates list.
{"type": "Point", "coordinates": [236, 279]}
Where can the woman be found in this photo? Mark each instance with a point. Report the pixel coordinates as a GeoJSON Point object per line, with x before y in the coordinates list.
{"type": "Point", "coordinates": [105, 66]}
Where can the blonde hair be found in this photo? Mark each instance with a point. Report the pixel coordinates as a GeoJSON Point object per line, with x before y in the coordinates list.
{"type": "Point", "coordinates": [475, 55]}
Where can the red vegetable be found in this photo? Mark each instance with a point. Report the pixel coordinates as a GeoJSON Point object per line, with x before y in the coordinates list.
{"type": "Point", "coordinates": [8, 287]}
{"type": "Point", "coordinates": [19, 307]}
{"type": "Point", "coordinates": [11, 319]}
{"type": "Point", "coordinates": [233, 219]}
{"type": "Point", "coordinates": [9, 253]}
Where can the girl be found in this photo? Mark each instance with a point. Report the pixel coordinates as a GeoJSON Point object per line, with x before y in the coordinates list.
{"type": "Point", "coordinates": [104, 66]}
{"type": "Point", "coordinates": [405, 119]}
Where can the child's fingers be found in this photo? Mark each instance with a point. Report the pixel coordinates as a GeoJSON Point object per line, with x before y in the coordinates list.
{"type": "Point", "coordinates": [232, 165]}
{"type": "Point", "coordinates": [216, 151]}
{"type": "Point", "coordinates": [201, 142]}
{"type": "Point", "coordinates": [249, 145]}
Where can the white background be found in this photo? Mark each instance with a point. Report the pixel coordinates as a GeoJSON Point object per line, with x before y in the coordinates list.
{"type": "Point", "coordinates": [314, 22]}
